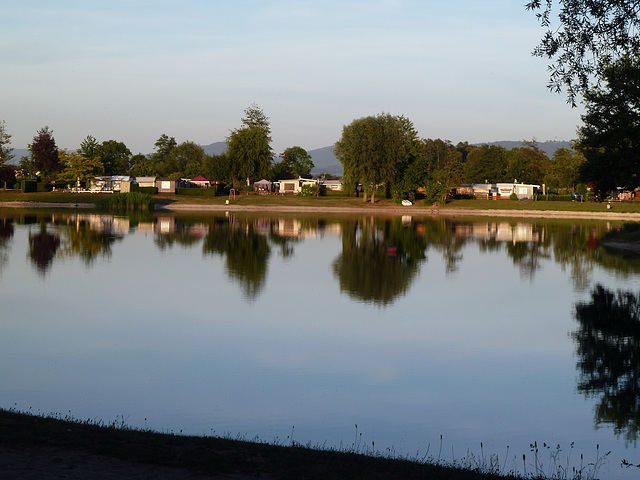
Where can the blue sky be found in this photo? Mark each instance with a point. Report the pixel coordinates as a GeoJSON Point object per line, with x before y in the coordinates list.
{"type": "Point", "coordinates": [132, 70]}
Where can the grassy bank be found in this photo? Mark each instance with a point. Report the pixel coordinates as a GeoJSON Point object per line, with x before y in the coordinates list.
{"type": "Point", "coordinates": [212, 456]}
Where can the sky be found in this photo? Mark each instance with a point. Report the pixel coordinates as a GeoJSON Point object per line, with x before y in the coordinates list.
{"type": "Point", "coordinates": [133, 70]}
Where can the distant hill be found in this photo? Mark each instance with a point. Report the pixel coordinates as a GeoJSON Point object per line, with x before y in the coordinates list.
{"type": "Point", "coordinates": [216, 148]}
{"type": "Point", "coordinates": [18, 153]}
{"type": "Point", "coordinates": [549, 147]}
{"type": "Point", "coordinates": [325, 162]}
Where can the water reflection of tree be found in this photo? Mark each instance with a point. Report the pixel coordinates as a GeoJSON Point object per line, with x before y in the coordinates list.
{"type": "Point", "coordinates": [6, 233]}
{"type": "Point", "coordinates": [181, 236]}
{"type": "Point", "coordinates": [608, 347]}
{"type": "Point", "coordinates": [43, 247]}
{"type": "Point", "coordinates": [378, 261]}
{"type": "Point", "coordinates": [86, 243]}
{"type": "Point", "coordinates": [527, 256]}
{"type": "Point", "coordinates": [440, 233]}
{"type": "Point", "coordinates": [246, 253]}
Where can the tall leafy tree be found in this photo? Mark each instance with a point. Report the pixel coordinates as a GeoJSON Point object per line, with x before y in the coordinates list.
{"type": "Point", "coordinates": [163, 147]}
{"type": "Point", "coordinates": [526, 164]}
{"type": "Point", "coordinates": [610, 137]}
{"type": "Point", "coordinates": [115, 157]}
{"type": "Point", "coordinates": [249, 147]}
{"type": "Point", "coordinates": [249, 155]}
{"type": "Point", "coordinates": [7, 175]}
{"type": "Point", "coordinates": [217, 168]}
{"type": "Point", "coordinates": [77, 169]}
{"type": "Point", "coordinates": [5, 140]}
{"type": "Point", "coordinates": [298, 161]}
{"type": "Point", "coordinates": [44, 152]}
{"type": "Point", "coordinates": [374, 150]}
{"type": "Point", "coordinates": [184, 160]}
{"type": "Point", "coordinates": [90, 148]}
{"type": "Point", "coordinates": [486, 163]}
{"type": "Point", "coordinates": [563, 169]}
{"type": "Point", "coordinates": [254, 116]}
{"type": "Point", "coordinates": [142, 166]}
{"type": "Point", "coordinates": [586, 37]}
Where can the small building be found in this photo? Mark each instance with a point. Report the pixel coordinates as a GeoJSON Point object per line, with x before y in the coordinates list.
{"type": "Point", "coordinates": [294, 185]}
{"type": "Point", "coordinates": [333, 185]}
{"type": "Point", "coordinates": [200, 182]}
{"type": "Point", "coordinates": [109, 183]}
{"type": "Point", "coordinates": [146, 181]}
{"type": "Point", "coordinates": [504, 190]}
{"type": "Point", "coordinates": [484, 190]}
{"type": "Point", "coordinates": [524, 190]}
{"type": "Point", "coordinates": [262, 186]}
{"type": "Point", "coordinates": [167, 185]}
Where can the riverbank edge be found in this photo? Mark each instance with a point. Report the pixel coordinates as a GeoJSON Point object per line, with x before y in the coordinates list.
{"type": "Point", "coordinates": [368, 210]}
{"type": "Point", "coordinates": [89, 450]}
{"type": "Point", "coordinates": [385, 210]}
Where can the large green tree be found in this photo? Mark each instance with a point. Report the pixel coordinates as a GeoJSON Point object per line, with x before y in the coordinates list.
{"type": "Point", "coordinates": [184, 160]}
{"type": "Point", "coordinates": [249, 148]}
{"type": "Point", "coordinates": [297, 161]}
{"type": "Point", "coordinates": [610, 137]}
{"type": "Point", "coordinates": [78, 169]}
{"type": "Point", "coordinates": [585, 38]}
{"type": "Point", "coordinates": [249, 155]}
{"type": "Point", "coordinates": [115, 157]}
{"type": "Point", "coordinates": [143, 166]}
{"type": "Point", "coordinates": [563, 169]}
{"type": "Point", "coordinates": [254, 116]}
{"type": "Point", "coordinates": [526, 164]}
{"type": "Point", "coordinates": [44, 152]}
{"type": "Point", "coordinates": [486, 163]}
{"type": "Point", "coordinates": [90, 148]}
{"type": "Point", "coordinates": [374, 150]}
{"type": "Point", "coordinates": [5, 140]}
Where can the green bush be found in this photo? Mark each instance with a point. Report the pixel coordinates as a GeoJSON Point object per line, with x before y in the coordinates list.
{"type": "Point", "coordinates": [44, 187]}
{"type": "Point", "coordinates": [128, 201]}
{"type": "Point", "coordinates": [553, 198]}
{"type": "Point", "coordinates": [135, 188]}
{"type": "Point", "coordinates": [197, 192]}
{"type": "Point", "coordinates": [513, 196]}
{"type": "Point", "coordinates": [309, 191]}
{"type": "Point", "coordinates": [28, 186]}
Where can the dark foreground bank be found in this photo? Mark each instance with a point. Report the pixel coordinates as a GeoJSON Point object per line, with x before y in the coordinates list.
{"type": "Point", "coordinates": [34, 447]}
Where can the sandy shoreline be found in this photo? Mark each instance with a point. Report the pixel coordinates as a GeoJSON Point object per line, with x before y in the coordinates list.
{"type": "Point", "coordinates": [448, 211]}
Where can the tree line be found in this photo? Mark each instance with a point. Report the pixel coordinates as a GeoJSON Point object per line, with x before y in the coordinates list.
{"type": "Point", "coordinates": [249, 157]}
{"type": "Point", "coordinates": [374, 150]}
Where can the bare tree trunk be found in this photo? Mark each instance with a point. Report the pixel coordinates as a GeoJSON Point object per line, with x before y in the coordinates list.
{"type": "Point", "coordinates": [365, 197]}
{"type": "Point", "coordinates": [373, 196]}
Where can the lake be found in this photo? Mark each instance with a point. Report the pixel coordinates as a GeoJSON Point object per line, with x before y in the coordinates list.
{"type": "Point", "coordinates": [450, 338]}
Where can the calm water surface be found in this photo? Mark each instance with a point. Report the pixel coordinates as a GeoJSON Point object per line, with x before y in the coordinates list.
{"type": "Point", "coordinates": [370, 333]}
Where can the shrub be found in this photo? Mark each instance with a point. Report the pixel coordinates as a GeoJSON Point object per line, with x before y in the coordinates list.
{"type": "Point", "coordinates": [308, 191]}
{"type": "Point", "coordinates": [197, 192]}
{"type": "Point", "coordinates": [28, 186]}
{"type": "Point", "coordinates": [135, 188]}
{"type": "Point", "coordinates": [435, 193]}
{"type": "Point", "coordinates": [513, 196]}
{"type": "Point", "coordinates": [128, 201]}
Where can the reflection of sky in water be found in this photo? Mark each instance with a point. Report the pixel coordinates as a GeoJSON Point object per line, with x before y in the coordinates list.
{"type": "Point", "coordinates": [164, 339]}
